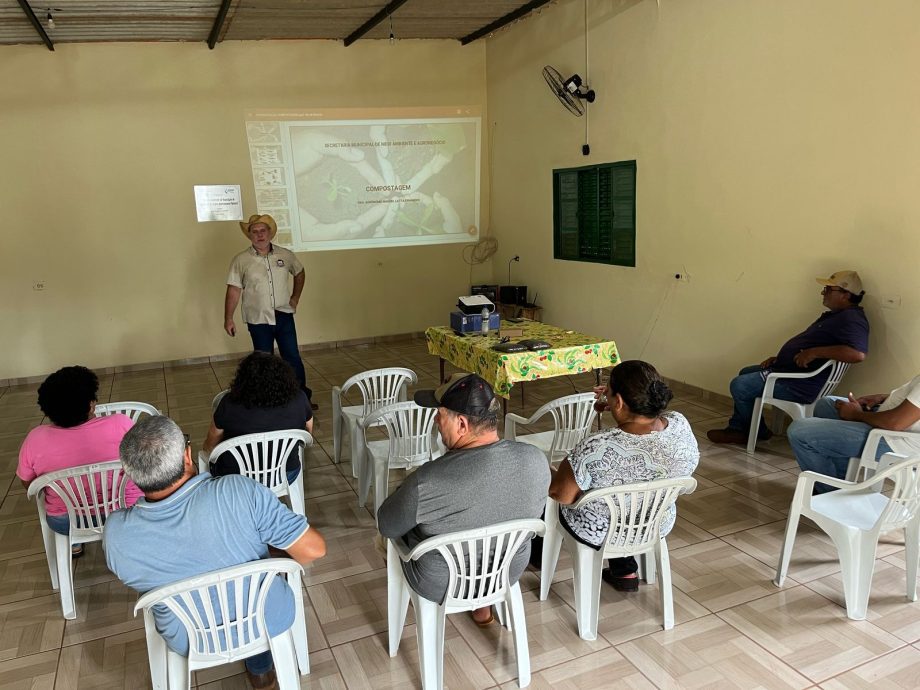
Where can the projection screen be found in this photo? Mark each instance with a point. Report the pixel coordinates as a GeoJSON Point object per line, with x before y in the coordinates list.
{"type": "Point", "coordinates": [357, 178]}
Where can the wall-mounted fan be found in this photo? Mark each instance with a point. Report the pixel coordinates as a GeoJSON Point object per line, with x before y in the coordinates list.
{"type": "Point", "coordinates": [570, 92]}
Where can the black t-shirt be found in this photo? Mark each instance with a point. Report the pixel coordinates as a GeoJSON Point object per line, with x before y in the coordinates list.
{"type": "Point", "coordinates": [238, 420]}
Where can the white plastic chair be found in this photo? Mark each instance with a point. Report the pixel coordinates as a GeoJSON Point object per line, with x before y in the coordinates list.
{"type": "Point", "coordinates": [853, 517]}
{"type": "Point", "coordinates": [636, 511]}
{"type": "Point", "coordinates": [203, 605]}
{"type": "Point", "coordinates": [794, 409]}
{"type": "Point", "coordinates": [87, 509]}
{"type": "Point", "coordinates": [409, 429]}
{"type": "Point", "coordinates": [133, 409]}
{"type": "Point", "coordinates": [379, 387]}
{"type": "Point", "coordinates": [216, 401]}
{"type": "Point", "coordinates": [263, 457]}
{"type": "Point", "coordinates": [573, 416]}
{"type": "Point", "coordinates": [866, 465]}
{"type": "Point", "coordinates": [479, 561]}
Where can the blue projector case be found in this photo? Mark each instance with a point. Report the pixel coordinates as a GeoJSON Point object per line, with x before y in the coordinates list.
{"type": "Point", "coordinates": [472, 323]}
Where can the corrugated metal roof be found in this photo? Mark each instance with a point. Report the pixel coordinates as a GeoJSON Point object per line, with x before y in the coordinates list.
{"type": "Point", "coordinates": [77, 21]}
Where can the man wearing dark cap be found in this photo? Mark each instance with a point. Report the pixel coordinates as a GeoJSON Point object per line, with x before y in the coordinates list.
{"type": "Point", "coordinates": [481, 480]}
{"type": "Point", "coordinates": [270, 280]}
{"type": "Point", "coordinates": [841, 334]}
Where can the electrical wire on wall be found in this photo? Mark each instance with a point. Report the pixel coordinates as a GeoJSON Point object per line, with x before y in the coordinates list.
{"type": "Point", "coordinates": [586, 149]}
{"type": "Point", "coordinates": [485, 248]}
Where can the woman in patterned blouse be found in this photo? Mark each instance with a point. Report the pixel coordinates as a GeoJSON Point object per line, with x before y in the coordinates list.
{"type": "Point", "coordinates": [637, 398]}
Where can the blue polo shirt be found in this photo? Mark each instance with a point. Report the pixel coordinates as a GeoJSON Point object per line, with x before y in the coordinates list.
{"type": "Point", "coordinates": [842, 327]}
{"type": "Point", "coordinates": [208, 524]}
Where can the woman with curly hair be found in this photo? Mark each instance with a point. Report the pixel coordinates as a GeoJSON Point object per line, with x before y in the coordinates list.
{"type": "Point", "coordinates": [637, 398]}
{"type": "Point", "coordinates": [74, 437]}
{"type": "Point", "coordinates": [264, 396]}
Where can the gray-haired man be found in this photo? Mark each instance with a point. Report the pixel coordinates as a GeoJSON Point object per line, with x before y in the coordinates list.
{"type": "Point", "coordinates": [480, 481]}
{"type": "Point", "coordinates": [159, 540]}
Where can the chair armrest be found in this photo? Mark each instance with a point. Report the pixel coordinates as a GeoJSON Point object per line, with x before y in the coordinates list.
{"type": "Point", "coordinates": [511, 422]}
{"type": "Point", "coordinates": [870, 450]}
{"type": "Point", "coordinates": [803, 375]}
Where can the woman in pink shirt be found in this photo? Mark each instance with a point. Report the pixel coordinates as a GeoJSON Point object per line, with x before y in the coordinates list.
{"type": "Point", "coordinates": [75, 437]}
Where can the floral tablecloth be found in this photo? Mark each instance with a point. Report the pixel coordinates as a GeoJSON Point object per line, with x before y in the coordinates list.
{"type": "Point", "coordinates": [571, 353]}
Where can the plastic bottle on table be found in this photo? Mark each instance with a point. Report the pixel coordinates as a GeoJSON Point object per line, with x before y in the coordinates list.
{"type": "Point", "coordinates": [485, 321]}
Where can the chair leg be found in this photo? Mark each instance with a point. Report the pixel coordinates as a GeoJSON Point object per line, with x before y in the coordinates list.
{"type": "Point", "coordinates": [664, 582]}
{"type": "Point", "coordinates": [429, 618]}
{"type": "Point", "coordinates": [285, 661]}
{"type": "Point", "coordinates": [365, 475]}
{"type": "Point", "coordinates": [177, 671]}
{"type": "Point", "coordinates": [647, 567]}
{"type": "Point", "coordinates": [397, 599]}
{"type": "Point", "coordinates": [296, 492]}
{"type": "Point", "coordinates": [588, 564]}
{"type": "Point", "coordinates": [65, 575]}
{"type": "Point", "coordinates": [156, 654]}
{"type": "Point", "coordinates": [299, 629]}
{"type": "Point", "coordinates": [356, 438]}
{"type": "Point", "coordinates": [857, 564]}
{"type": "Point", "coordinates": [552, 544]}
{"type": "Point", "coordinates": [381, 480]}
{"type": "Point", "coordinates": [515, 604]}
{"type": "Point", "coordinates": [336, 427]}
{"type": "Point", "coordinates": [792, 526]}
{"type": "Point", "coordinates": [755, 425]}
{"type": "Point", "coordinates": [50, 549]}
{"type": "Point", "coordinates": [911, 554]}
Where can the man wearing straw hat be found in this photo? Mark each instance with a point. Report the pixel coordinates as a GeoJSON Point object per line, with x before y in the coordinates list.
{"type": "Point", "coordinates": [261, 276]}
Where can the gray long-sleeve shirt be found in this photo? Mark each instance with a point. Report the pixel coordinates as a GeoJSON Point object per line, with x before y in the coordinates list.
{"type": "Point", "coordinates": [465, 489]}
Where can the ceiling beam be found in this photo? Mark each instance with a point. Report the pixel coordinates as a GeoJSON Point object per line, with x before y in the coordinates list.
{"type": "Point", "coordinates": [502, 21]}
{"type": "Point", "coordinates": [390, 8]}
{"type": "Point", "coordinates": [218, 23]}
{"type": "Point", "coordinates": [37, 25]}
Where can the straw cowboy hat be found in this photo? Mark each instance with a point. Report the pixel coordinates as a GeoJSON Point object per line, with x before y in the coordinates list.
{"type": "Point", "coordinates": [265, 220]}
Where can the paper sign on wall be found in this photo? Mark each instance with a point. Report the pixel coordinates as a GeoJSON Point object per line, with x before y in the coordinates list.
{"type": "Point", "coordinates": [218, 202]}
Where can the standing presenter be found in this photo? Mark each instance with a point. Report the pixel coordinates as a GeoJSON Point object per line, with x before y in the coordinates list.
{"type": "Point", "coordinates": [261, 275]}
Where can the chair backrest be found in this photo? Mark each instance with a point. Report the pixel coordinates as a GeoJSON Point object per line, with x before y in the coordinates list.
{"type": "Point", "coordinates": [573, 416]}
{"type": "Point", "coordinates": [380, 387]}
{"type": "Point", "coordinates": [223, 611]}
{"type": "Point", "coordinates": [636, 510]}
{"type": "Point", "coordinates": [479, 560]}
{"type": "Point", "coordinates": [409, 428]}
{"type": "Point", "coordinates": [89, 492]}
{"type": "Point", "coordinates": [132, 409]}
{"type": "Point", "coordinates": [263, 456]}
{"type": "Point", "coordinates": [217, 398]}
{"type": "Point", "coordinates": [838, 369]}
{"type": "Point", "coordinates": [904, 499]}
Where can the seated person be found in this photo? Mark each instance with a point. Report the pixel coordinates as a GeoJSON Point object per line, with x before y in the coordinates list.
{"type": "Point", "coordinates": [264, 396]}
{"type": "Point", "coordinates": [841, 334]}
{"type": "Point", "coordinates": [187, 525]}
{"type": "Point", "coordinates": [75, 437]}
{"type": "Point", "coordinates": [481, 480]}
{"type": "Point", "coordinates": [840, 426]}
{"type": "Point", "coordinates": [637, 399]}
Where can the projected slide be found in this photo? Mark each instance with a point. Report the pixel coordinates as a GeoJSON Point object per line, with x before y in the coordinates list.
{"type": "Point", "coordinates": [348, 179]}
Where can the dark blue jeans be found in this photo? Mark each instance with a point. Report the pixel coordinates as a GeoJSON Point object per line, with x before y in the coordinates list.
{"type": "Point", "coordinates": [259, 663]}
{"type": "Point", "coordinates": [264, 336]}
{"type": "Point", "coordinates": [745, 388]}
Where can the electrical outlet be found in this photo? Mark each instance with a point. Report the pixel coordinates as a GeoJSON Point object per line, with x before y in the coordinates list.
{"type": "Point", "coordinates": [682, 277]}
{"type": "Point", "coordinates": [40, 285]}
{"type": "Point", "coordinates": [891, 301]}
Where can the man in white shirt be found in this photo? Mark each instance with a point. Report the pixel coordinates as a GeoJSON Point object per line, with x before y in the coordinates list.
{"type": "Point", "coordinates": [838, 431]}
{"type": "Point", "coordinates": [262, 276]}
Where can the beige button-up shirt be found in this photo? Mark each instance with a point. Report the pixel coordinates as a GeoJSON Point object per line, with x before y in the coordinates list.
{"type": "Point", "coordinates": [265, 282]}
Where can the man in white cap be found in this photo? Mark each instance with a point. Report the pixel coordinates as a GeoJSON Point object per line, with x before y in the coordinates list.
{"type": "Point", "coordinates": [841, 334]}
{"type": "Point", "coordinates": [261, 276]}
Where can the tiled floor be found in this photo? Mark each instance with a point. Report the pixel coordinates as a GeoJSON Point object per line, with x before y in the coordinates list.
{"type": "Point", "coordinates": [734, 627]}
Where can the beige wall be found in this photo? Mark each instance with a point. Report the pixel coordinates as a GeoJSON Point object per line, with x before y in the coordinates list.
{"type": "Point", "coordinates": [776, 140]}
{"type": "Point", "coordinates": [101, 145]}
